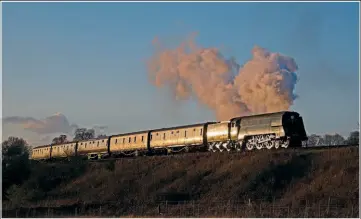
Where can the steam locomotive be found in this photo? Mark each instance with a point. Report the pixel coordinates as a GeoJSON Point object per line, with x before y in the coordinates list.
{"type": "Point", "coordinates": [263, 131]}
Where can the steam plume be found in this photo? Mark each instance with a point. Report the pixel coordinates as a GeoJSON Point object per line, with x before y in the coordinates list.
{"type": "Point", "coordinates": [264, 84]}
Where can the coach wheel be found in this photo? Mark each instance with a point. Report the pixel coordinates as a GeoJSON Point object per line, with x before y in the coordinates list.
{"type": "Point", "coordinates": [169, 151]}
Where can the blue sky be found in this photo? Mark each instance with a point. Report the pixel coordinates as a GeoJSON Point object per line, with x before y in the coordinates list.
{"type": "Point", "coordinates": [87, 60]}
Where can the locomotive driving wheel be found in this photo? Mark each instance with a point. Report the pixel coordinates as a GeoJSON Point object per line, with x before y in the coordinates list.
{"type": "Point", "coordinates": [251, 142]}
{"type": "Point", "coordinates": [277, 144]}
{"type": "Point", "coordinates": [238, 146]}
{"type": "Point", "coordinates": [269, 144]}
{"type": "Point", "coordinates": [259, 146]}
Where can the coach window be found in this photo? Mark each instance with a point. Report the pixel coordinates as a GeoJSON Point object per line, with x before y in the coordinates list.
{"type": "Point", "coordinates": [163, 135]}
{"type": "Point", "coordinates": [116, 141]}
{"type": "Point", "coordinates": [129, 140]}
{"type": "Point", "coordinates": [123, 140]}
{"type": "Point", "coordinates": [135, 138]}
{"type": "Point", "coordinates": [103, 141]}
{"type": "Point", "coordinates": [201, 131]}
{"type": "Point", "coordinates": [151, 136]}
{"type": "Point", "coordinates": [98, 143]}
{"type": "Point", "coordinates": [142, 138]}
{"type": "Point", "coordinates": [185, 133]}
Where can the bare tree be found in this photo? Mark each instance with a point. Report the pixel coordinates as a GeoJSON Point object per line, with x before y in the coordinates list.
{"type": "Point", "coordinates": [353, 139]}
{"type": "Point", "coordinates": [101, 136]}
{"type": "Point", "coordinates": [84, 134]}
{"type": "Point", "coordinates": [59, 140]}
{"type": "Point", "coordinates": [335, 139]}
{"type": "Point", "coordinates": [315, 140]}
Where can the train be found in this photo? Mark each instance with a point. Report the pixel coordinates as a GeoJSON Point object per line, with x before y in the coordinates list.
{"type": "Point", "coordinates": [255, 132]}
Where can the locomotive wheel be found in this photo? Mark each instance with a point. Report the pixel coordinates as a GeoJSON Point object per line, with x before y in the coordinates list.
{"type": "Point", "coordinates": [286, 144]}
{"type": "Point", "coordinates": [249, 146]}
{"type": "Point", "coordinates": [250, 143]}
{"type": "Point", "coordinates": [259, 146]}
{"type": "Point", "coordinates": [269, 145]}
{"type": "Point", "coordinates": [239, 146]}
{"type": "Point", "coordinates": [277, 144]}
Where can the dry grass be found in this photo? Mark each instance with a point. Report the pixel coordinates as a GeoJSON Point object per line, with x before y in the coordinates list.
{"type": "Point", "coordinates": [212, 183]}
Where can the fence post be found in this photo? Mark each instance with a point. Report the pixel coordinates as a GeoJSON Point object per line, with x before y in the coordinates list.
{"type": "Point", "coordinates": [166, 206]}
{"type": "Point", "coordinates": [198, 210]}
{"type": "Point", "coordinates": [194, 208]}
{"type": "Point", "coordinates": [76, 211]}
{"type": "Point", "coordinates": [288, 211]}
{"type": "Point", "coordinates": [260, 209]}
{"type": "Point", "coordinates": [100, 210]}
{"type": "Point", "coordinates": [328, 205]}
{"type": "Point", "coordinates": [319, 210]}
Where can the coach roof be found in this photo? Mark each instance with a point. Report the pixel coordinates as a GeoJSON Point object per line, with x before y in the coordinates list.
{"type": "Point", "coordinates": [42, 146]}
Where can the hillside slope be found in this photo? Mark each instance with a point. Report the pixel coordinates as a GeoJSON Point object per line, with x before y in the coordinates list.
{"type": "Point", "coordinates": [278, 183]}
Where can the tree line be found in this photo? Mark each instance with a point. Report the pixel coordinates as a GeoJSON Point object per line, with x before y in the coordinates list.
{"type": "Point", "coordinates": [336, 139]}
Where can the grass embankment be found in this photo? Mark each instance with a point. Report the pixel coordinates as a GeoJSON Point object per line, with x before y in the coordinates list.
{"type": "Point", "coordinates": [284, 183]}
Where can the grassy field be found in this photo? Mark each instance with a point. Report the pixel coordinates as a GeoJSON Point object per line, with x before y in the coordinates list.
{"type": "Point", "coordinates": [284, 183]}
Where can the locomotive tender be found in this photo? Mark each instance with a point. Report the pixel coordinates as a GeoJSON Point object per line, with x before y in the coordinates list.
{"type": "Point", "coordinates": [271, 130]}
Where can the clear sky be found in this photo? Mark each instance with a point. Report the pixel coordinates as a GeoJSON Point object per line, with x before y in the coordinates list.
{"type": "Point", "coordinates": [87, 60]}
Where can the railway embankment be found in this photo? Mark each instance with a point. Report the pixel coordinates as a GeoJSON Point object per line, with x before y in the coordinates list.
{"type": "Point", "coordinates": [286, 183]}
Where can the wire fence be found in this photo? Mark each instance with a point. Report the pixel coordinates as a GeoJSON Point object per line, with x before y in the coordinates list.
{"type": "Point", "coordinates": [256, 208]}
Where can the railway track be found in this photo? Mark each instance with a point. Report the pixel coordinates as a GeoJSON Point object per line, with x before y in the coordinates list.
{"type": "Point", "coordinates": [208, 153]}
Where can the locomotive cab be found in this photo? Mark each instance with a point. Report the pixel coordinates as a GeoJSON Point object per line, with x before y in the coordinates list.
{"type": "Point", "coordinates": [294, 128]}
